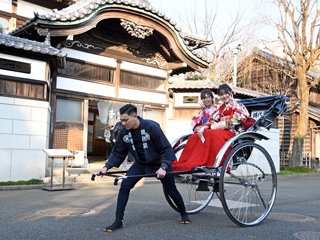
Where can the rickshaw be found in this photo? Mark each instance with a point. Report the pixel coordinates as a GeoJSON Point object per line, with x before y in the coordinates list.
{"type": "Point", "coordinates": [245, 184]}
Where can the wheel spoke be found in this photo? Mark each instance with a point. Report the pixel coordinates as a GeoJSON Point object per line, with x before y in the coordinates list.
{"type": "Point", "coordinates": [248, 191]}
{"type": "Point", "coordinates": [261, 198]}
{"type": "Point", "coordinates": [187, 185]}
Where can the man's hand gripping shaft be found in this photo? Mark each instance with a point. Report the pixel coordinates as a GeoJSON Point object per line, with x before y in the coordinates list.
{"type": "Point", "coordinates": [101, 172]}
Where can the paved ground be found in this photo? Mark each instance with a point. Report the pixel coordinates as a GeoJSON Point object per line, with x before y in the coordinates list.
{"type": "Point", "coordinates": [148, 216]}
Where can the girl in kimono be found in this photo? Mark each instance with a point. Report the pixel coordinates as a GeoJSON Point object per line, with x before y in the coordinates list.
{"type": "Point", "coordinates": [207, 108]}
{"type": "Point", "coordinates": [203, 147]}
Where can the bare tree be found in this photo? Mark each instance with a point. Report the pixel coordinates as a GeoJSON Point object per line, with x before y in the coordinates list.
{"type": "Point", "coordinates": [266, 73]}
{"type": "Point", "coordinates": [225, 25]}
{"type": "Point", "coordinates": [298, 32]}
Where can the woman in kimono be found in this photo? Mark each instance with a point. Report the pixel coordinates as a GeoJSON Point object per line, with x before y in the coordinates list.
{"type": "Point", "coordinates": [203, 147]}
{"type": "Point", "coordinates": [207, 108]}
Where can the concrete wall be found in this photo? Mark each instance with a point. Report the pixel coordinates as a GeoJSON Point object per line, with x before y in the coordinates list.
{"type": "Point", "coordinates": [177, 128]}
{"type": "Point", "coordinates": [24, 133]}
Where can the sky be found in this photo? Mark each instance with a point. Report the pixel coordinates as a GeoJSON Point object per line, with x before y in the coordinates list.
{"type": "Point", "coordinates": [226, 12]}
{"type": "Point", "coordinates": [226, 8]}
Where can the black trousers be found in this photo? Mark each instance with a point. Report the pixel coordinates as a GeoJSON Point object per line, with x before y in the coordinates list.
{"type": "Point", "coordinates": [140, 169]}
{"type": "Point", "coordinates": [108, 149]}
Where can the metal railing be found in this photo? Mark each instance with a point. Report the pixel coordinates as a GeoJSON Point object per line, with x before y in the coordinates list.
{"type": "Point", "coordinates": [285, 159]}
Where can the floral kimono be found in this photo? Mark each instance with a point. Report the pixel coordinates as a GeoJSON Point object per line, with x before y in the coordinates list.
{"type": "Point", "coordinates": [200, 121]}
{"type": "Point", "coordinates": [227, 117]}
{"type": "Point", "coordinates": [197, 153]}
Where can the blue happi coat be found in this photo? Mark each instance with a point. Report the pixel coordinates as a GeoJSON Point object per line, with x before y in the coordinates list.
{"type": "Point", "coordinates": [156, 146]}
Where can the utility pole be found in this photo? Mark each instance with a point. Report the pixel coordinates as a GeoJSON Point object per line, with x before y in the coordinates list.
{"type": "Point", "coordinates": [235, 62]}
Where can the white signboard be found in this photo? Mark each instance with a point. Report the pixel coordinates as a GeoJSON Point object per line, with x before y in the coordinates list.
{"type": "Point", "coordinates": [257, 114]}
{"type": "Point", "coordinates": [58, 152]}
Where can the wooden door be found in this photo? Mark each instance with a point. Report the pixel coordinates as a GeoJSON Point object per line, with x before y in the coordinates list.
{"type": "Point", "coordinates": [96, 141]}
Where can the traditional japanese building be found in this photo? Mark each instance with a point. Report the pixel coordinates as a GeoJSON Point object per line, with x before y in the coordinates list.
{"type": "Point", "coordinates": [117, 52]}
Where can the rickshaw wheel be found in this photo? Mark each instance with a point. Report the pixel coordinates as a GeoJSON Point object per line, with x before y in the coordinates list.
{"type": "Point", "coordinates": [248, 184]}
{"type": "Point", "coordinates": [196, 189]}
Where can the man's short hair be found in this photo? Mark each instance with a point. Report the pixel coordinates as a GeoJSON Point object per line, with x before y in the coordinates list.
{"type": "Point", "coordinates": [128, 109]}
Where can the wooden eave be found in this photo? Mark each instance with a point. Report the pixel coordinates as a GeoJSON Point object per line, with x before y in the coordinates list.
{"type": "Point", "coordinates": [311, 114]}
{"type": "Point", "coordinates": [189, 60]}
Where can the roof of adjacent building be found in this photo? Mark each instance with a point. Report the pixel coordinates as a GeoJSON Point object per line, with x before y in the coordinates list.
{"type": "Point", "coordinates": [203, 84]}
{"type": "Point", "coordinates": [314, 110]}
{"type": "Point", "coordinates": [33, 46]}
{"type": "Point", "coordinates": [281, 60]}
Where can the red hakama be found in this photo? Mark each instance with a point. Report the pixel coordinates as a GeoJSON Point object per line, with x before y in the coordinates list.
{"type": "Point", "coordinates": [196, 153]}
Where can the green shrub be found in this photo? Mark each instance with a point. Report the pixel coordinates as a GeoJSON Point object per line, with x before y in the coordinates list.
{"type": "Point", "coordinates": [30, 182]}
{"type": "Point", "coordinates": [286, 170]}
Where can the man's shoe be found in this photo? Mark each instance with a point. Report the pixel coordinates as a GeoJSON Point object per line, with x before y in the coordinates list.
{"type": "Point", "coordinates": [185, 219]}
{"type": "Point", "coordinates": [117, 225]}
{"type": "Point", "coordinates": [114, 227]}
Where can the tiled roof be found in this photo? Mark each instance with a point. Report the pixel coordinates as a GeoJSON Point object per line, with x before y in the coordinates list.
{"type": "Point", "coordinates": [194, 41]}
{"type": "Point", "coordinates": [282, 60]}
{"type": "Point", "coordinates": [314, 110]}
{"type": "Point", "coordinates": [202, 84]}
{"type": "Point", "coordinates": [33, 46]}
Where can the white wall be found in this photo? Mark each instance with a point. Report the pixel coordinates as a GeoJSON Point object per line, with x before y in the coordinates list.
{"type": "Point", "coordinates": [24, 133]}
{"type": "Point", "coordinates": [272, 145]}
{"type": "Point", "coordinates": [143, 69]}
{"type": "Point", "coordinates": [317, 143]}
{"type": "Point", "coordinates": [85, 86]}
{"type": "Point", "coordinates": [6, 5]}
{"type": "Point", "coordinates": [138, 95]}
{"type": "Point", "coordinates": [178, 128]}
{"type": "Point", "coordinates": [38, 68]}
